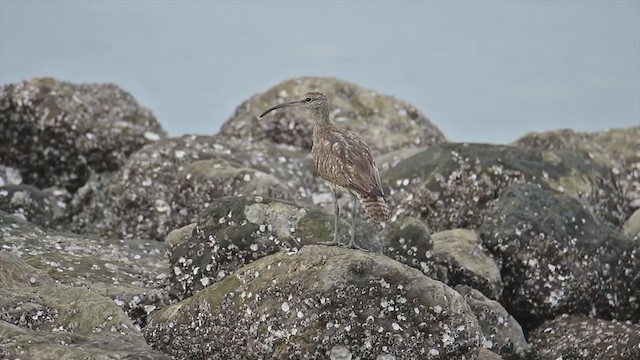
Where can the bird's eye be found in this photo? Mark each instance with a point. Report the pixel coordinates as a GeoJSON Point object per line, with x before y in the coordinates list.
{"type": "Point", "coordinates": [307, 99]}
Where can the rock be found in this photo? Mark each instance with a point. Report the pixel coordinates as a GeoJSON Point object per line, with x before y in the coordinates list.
{"type": "Point", "coordinates": [28, 203]}
{"type": "Point", "coordinates": [9, 176]}
{"type": "Point", "coordinates": [168, 184]}
{"type": "Point", "coordinates": [58, 133]}
{"type": "Point", "coordinates": [40, 319]}
{"type": "Point", "coordinates": [314, 303]}
{"type": "Point", "coordinates": [384, 122]}
{"type": "Point", "coordinates": [631, 227]}
{"type": "Point", "coordinates": [467, 261]}
{"type": "Point", "coordinates": [502, 332]}
{"type": "Point", "coordinates": [453, 257]}
{"type": "Point", "coordinates": [130, 272]}
{"type": "Point", "coordinates": [238, 230]}
{"type": "Point", "coordinates": [485, 354]}
{"type": "Point", "coordinates": [576, 337]}
{"type": "Point", "coordinates": [451, 185]}
{"type": "Point", "coordinates": [618, 149]}
{"type": "Point", "coordinates": [557, 258]}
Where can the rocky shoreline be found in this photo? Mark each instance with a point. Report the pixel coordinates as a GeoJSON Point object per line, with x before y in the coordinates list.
{"type": "Point", "coordinates": [118, 242]}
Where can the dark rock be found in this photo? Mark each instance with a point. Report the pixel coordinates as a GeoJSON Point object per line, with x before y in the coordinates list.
{"type": "Point", "coordinates": [41, 319]}
{"type": "Point", "coordinates": [575, 337]}
{"type": "Point", "coordinates": [239, 230]}
{"type": "Point", "coordinates": [28, 203]}
{"type": "Point", "coordinates": [453, 257]}
{"type": "Point", "coordinates": [57, 133]}
{"type": "Point", "coordinates": [384, 122]}
{"type": "Point", "coordinates": [130, 272]}
{"type": "Point", "coordinates": [557, 258]}
{"type": "Point", "coordinates": [451, 185]}
{"type": "Point", "coordinates": [316, 302]}
{"type": "Point", "coordinates": [618, 149]}
{"type": "Point", "coordinates": [501, 331]}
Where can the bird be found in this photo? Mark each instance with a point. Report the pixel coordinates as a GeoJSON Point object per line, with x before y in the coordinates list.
{"type": "Point", "coordinates": [345, 161]}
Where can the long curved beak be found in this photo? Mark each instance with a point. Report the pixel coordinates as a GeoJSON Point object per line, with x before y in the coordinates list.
{"type": "Point", "coordinates": [280, 106]}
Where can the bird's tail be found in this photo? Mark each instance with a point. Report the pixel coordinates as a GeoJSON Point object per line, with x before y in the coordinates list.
{"type": "Point", "coordinates": [375, 207]}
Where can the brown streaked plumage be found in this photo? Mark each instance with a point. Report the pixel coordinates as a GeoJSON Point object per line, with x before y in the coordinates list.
{"type": "Point", "coordinates": [344, 160]}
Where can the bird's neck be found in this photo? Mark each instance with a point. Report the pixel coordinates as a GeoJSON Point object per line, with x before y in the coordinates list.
{"type": "Point", "coordinates": [321, 118]}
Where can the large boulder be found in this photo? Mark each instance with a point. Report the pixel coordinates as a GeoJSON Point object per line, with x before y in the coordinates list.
{"type": "Point", "coordinates": [576, 337]}
{"type": "Point", "coordinates": [132, 273]}
{"type": "Point", "coordinates": [384, 122]}
{"type": "Point", "coordinates": [319, 302]}
{"type": "Point", "coordinates": [58, 133]}
{"type": "Point", "coordinates": [452, 185]}
{"type": "Point", "coordinates": [556, 257]}
{"type": "Point", "coordinates": [240, 229]}
{"type": "Point", "coordinates": [42, 319]}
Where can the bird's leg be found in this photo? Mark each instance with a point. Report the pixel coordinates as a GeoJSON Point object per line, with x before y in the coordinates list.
{"type": "Point", "coordinates": [352, 243]}
{"type": "Point", "coordinates": [336, 212]}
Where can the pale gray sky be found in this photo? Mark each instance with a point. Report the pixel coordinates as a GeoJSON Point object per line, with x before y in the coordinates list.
{"type": "Point", "coordinates": [485, 71]}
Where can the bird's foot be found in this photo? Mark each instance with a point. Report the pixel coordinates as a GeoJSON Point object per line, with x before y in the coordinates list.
{"type": "Point", "coordinates": [330, 243]}
{"type": "Point", "coordinates": [352, 245]}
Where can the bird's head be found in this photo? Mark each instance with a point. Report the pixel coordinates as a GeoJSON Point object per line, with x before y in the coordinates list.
{"type": "Point", "coordinates": [314, 102]}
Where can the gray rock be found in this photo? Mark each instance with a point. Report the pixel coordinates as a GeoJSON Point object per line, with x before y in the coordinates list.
{"type": "Point", "coordinates": [309, 303]}
{"type": "Point", "coordinates": [384, 122]}
{"type": "Point", "coordinates": [618, 149]}
{"type": "Point", "coordinates": [501, 331]}
{"type": "Point", "coordinates": [467, 261]}
{"type": "Point", "coordinates": [453, 257]}
{"type": "Point", "coordinates": [451, 185]}
{"type": "Point", "coordinates": [238, 230]}
{"type": "Point", "coordinates": [168, 184]}
{"type": "Point", "coordinates": [557, 258]}
{"type": "Point", "coordinates": [41, 319]}
{"type": "Point", "coordinates": [130, 272]}
{"type": "Point", "coordinates": [9, 176]}
{"type": "Point", "coordinates": [485, 354]}
{"type": "Point", "coordinates": [631, 227]}
{"type": "Point", "coordinates": [57, 133]}
{"type": "Point", "coordinates": [28, 203]}
{"type": "Point", "coordinates": [575, 337]}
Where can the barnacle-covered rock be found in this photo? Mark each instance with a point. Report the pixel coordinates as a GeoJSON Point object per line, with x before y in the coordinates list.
{"type": "Point", "coordinates": [42, 319]}
{"type": "Point", "coordinates": [577, 337]}
{"type": "Point", "coordinates": [556, 258]}
{"type": "Point", "coordinates": [57, 133]}
{"type": "Point", "coordinates": [316, 303]}
{"type": "Point", "coordinates": [130, 272]}
{"type": "Point", "coordinates": [240, 229]}
{"type": "Point", "coordinates": [451, 185]}
{"type": "Point", "coordinates": [384, 122]}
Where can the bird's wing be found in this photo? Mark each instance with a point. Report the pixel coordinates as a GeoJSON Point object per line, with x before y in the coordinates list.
{"type": "Point", "coordinates": [347, 161]}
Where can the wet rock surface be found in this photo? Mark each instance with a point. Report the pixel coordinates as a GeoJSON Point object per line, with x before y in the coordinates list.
{"type": "Point", "coordinates": [574, 337]}
{"type": "Point", "coordinates": [58, 133]}
{"type": "Point", "coordinates": [384, 122]}
{"type": "Point", "coordinates": [318, 301]}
